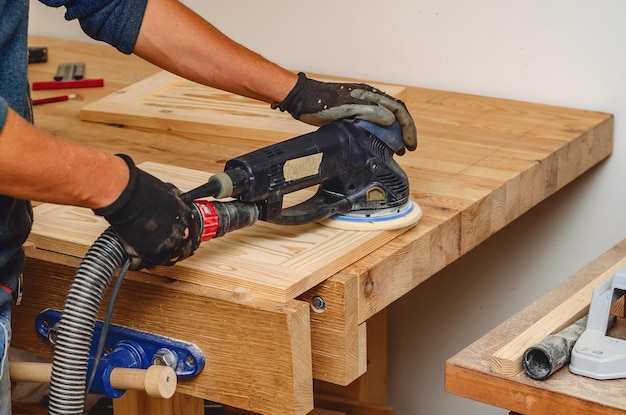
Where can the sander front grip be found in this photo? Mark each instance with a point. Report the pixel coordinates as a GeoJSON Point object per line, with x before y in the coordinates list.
{"type": "Point", "coordinates": [157, 381]}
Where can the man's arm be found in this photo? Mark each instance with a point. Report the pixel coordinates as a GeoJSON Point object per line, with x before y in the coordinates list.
{"type": "Point", "coordinates": [175, 38]}
{"type": "Point", "coordinates": [153, 224]}
{"type": "Point", "coordinates": [35, 165]}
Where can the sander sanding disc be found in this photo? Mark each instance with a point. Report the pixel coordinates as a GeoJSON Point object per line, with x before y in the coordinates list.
{"type": "Point", "coordinates": [406, 217]}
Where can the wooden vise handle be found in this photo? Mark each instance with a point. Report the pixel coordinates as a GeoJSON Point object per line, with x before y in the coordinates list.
{"type": "Point", "coordinates": [157, 381]}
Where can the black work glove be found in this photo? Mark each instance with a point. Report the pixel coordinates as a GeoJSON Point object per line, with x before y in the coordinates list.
{"type": "Point", "coordinates": [319, 103]}
{"type": "Point", "coordinates": [153, 224]}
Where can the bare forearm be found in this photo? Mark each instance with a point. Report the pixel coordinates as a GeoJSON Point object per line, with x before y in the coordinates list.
{"type": "Point", "coordinates": [176, 39]}
{"type": "Point", "coordinates": [37, 166]}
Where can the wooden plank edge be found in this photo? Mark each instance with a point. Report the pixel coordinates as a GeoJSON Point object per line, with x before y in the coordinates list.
{"type": "Point", "coordinates": [571, 161]}
{"type": "Point", "coordinates": [510, 394]}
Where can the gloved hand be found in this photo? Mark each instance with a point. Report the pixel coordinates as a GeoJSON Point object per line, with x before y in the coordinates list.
{"type": "Point", "coordinates": [153, 224]}
{"type": "Point", "coordinates": [319, 103]}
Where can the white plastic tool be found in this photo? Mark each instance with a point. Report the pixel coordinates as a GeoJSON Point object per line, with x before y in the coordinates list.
{"type": "Point", "coordinates": [595, 354]}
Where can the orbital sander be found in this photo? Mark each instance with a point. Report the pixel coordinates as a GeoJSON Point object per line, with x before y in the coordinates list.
{"type": "Point", "coordinates": [360, 186]}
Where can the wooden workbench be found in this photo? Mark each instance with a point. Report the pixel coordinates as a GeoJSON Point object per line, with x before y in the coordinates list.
{"type": "Point", "coordinates": [481, 163]}
{"type": "Point", "coordinates": [468, 374]}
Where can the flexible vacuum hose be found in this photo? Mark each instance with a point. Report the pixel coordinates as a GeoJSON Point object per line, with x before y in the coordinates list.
{"type": "Point", "coordinates": [75, 329]}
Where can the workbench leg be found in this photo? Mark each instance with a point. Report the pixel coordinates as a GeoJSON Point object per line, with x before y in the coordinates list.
{"type": "Point", "coordinates": [369, 392]}
{"type": "Point", "coordinates": [139, 403]}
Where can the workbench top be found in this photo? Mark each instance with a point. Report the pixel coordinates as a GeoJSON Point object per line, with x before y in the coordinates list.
{"type": "Point", "coordinates": [481, 162]}
{"type": "Point", "coordinates": [469, 373]}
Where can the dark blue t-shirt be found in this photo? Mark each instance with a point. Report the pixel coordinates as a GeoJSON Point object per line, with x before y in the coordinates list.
{"type": "Point", "coordinates": [116, 22]}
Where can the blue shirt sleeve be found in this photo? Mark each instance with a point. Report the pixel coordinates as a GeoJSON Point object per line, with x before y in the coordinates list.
{"type": "Point", "coordinates": [4, 109]}
{"type": "Point", "coordinates": [115, 22]}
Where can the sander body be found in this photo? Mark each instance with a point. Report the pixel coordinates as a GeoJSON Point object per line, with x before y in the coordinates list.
{"type": "Point", "coordinates": [351, 163]}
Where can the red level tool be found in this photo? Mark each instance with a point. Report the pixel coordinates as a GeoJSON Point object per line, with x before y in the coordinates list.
{"type": "Point", "coordinates": [83, 83]}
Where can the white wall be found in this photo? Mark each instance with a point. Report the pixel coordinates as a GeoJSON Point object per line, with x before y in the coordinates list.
{"type": "Point", "coordinates": [564, 52]}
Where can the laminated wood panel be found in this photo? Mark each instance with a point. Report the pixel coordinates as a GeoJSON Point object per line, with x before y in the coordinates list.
{"type": "Point", "coordinates": [272, 261]}
{"type": "Point", "coordinates": [165, 101]}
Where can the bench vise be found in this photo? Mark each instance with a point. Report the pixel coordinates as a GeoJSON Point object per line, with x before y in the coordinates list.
{"type": "Point", "coordinates": [128, 358]}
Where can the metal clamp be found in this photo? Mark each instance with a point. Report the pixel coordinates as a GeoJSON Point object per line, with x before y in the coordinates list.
{"type": "Point", "coordinates": [129, 348]}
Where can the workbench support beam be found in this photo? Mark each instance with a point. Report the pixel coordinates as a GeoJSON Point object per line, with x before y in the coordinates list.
{"type": "Point", "coordinates": [237, 337]}
{"type": "Point", "coordinates": [338, 339]}
{"type": "Point", "coordinates": [371, 387]}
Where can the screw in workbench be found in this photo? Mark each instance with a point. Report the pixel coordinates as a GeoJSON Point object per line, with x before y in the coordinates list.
{"type": "Point", "coordinates": [318, 304]}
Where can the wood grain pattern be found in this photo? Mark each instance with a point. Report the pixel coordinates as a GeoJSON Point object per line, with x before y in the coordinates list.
{"type": "Point", "coordinates": [258, 352]}
{"type": "Point", "coordinates": [481, 162]}
{"type": "Point", "coordinates": [167, 102]}
{"type": "Point", "coordinates": [272, 261]}
{"type": "Point", "coordinates": [139, 403]}
{"type": "Point", "coordinates": [339, 342]}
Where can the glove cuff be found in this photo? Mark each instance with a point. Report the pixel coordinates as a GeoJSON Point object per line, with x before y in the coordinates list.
{"type": "Point", "coordinates": [127, 193]}
{"type": "Point", "coordinates": [286, 104]}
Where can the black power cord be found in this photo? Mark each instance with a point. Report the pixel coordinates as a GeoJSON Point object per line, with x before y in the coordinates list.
{"type": "Point", "coordinates": [107, 322]}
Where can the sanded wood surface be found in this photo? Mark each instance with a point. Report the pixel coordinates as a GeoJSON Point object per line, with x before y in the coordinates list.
{"type": "Point", "coordinates": [167, 102]}
{"type": "Point", "coordinates": [271, 261]}
{"type": "Point", "coordinates": [469, 373]}
{"type": "Point", "coordinates": [481, 162]}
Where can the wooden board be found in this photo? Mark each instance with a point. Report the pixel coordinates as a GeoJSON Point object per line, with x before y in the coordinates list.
{"type": "Point", "coordinates": [167, 102]}
{"type": "Point", "coordinates": [258, 352]}
{"type": "Point", "coordinates": [272, 261]}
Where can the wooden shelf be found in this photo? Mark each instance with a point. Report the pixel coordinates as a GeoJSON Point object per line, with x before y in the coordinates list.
{"type": "Point", "coordinates": [468, 374]}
